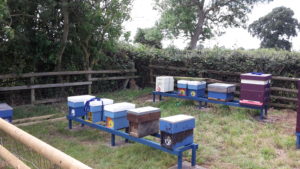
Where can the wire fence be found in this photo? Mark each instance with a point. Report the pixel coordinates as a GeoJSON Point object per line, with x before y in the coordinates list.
{"type": "Point", "coordinates": [24, 153]}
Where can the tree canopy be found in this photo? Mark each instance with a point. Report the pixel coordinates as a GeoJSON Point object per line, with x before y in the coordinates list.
{"type": "Point", "coordinates": [198, 20]}
{"type": "Point", "coordinates": [47, 35]}
{"type": "Point", "coordinates": [149, 36]}
{"type": "Point", "coordinates": [276, 28]}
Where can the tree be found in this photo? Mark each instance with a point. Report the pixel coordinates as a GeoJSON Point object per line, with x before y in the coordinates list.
{"type": "Point", "coordinates": [276, 28]}
{"type": "Point", "coordinates": [201, 19]}
{"type": "Point", "coordinates": [149, 36]}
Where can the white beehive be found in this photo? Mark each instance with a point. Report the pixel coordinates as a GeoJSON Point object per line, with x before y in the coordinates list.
{"type": "Point", "coordinates": [164, 84]}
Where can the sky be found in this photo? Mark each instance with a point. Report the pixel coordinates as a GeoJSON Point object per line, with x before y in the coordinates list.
{"type": "Point", "coordinates": [144, 16]}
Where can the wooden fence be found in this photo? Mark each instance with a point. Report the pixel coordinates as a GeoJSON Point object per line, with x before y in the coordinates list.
{"type": "Point", "coordinates": [122, 74]}
{"type": "Point", "coordinates": [278, 93]}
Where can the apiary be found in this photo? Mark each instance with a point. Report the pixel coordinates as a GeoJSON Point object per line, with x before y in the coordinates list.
{"type": "Point", "coordinates": [255, 89]}
{"type": "Point", "coordinates": [182, 86]}
{"type": "Point", "coordinates": [164, 84]}
{"type": "Point", "coordinates": [196, 88]}
{"type": "Point", "coordinates": [143, 121]}
{"type": "Point", "coordinates": [95, 112]}
{"type": "Point", "coordinates": [176, 131]}
{"type": "Point", "coordinates": [76, 104]}
{"type": "Point", "coordinates": [6, 112]}
{"type": "Point", "coordinates": [116, 115]}
{"type": "Point", "coordinates": [221, 91]}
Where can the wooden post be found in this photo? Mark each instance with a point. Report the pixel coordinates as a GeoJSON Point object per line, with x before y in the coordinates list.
{"type": "Point", "coordinates": [89, 77]}
{"type": "Point", "coordinates": [151, 75]}
{"type": "Point", "coordinates": [32, 91]}
{"type": "Point", "coordinates": [125, 84]}
{"type": "Point", "coordinates": [11, 159]}
{"type": "Point", "coordinates": [54, 155]}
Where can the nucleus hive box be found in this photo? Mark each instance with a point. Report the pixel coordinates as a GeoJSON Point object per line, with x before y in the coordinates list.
{"type": "Point", "coordinates": [96, 110]}
{"type": "Point", "coordinates": [6, 112]}
{"type": "Point", "coordinates": [143, 121]}
{"type": "Point", "coordinates": [164, 84]}
{"type": "Point", "coordinates": [255, 89]}
{"type": "Point", "coordinates": [76, 105]}
{"type": "Point", "coordinates": [116, 115]}
{"type": "Point", "coordinates": [221, 91]}
{"type": "Point", "coordinates": [196, 88]}
{"type": "Point", "coordinates": [176, 131]}
{"type": "Point", "coordinates": [182, 87]}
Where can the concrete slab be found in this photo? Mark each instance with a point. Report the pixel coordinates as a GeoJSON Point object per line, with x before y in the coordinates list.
{"type": "Point", "coordinates": [187, 165]}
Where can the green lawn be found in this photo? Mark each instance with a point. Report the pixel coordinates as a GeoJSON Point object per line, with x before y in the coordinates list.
{"type": "Point", "coordinates": [227, 137]}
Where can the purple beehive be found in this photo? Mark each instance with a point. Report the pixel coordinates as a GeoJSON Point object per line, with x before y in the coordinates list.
{"type": "Point", "coordinates": [255, 87]}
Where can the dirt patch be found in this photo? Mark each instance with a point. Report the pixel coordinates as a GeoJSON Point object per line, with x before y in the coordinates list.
{"type": "Point", "coordinates": [286, 118]}
{"type": "Point", "coordinates": [145, 98]}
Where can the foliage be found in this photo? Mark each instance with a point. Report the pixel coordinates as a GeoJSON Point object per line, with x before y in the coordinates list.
{"type": "Point", "coordinates": [198, 20]}
{"type": "Point", "coordinates": [276, 28]}
{"type": "Point", "coordinates": [76, 34]}
{"type": "Point", "coordinates": [149, 36]}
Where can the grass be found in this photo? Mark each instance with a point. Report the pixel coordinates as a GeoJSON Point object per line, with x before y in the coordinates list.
{"type": "Point", "coordinates": [227, 137]}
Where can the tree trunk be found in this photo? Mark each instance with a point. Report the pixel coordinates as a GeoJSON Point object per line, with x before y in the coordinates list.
{"type": "Point", "coordinates": [198, 31]}
{"type": "Point", "coordinates": [65, 11]}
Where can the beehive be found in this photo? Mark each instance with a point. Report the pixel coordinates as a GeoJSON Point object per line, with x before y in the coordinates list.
{"type": "Point", "coordinates": [6, 112]}
{"type": "Point", "coordinates": [96, 110]}
{"type": "Point", "coordinates": [221, 91]}
{"type": "Point", "coordinates": [143, 121]}
{"type": "Point", "coordinates": [196, 88]}
{"type": "Point", "coordinates": [176, 131]}
{"type": "Point", "coordinates": [76, 105]}
{"type": "Point", "coordinates": [164, 84]}
{"type": "Point", "coordinates": [182, 86]}
{"type": "Point", "coordinates": [116, 115]}
{"type": "Point", "coordinates": [255, 89]}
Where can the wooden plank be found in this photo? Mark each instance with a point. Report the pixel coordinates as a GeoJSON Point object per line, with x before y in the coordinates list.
{"type": "Point", "coordinates": [284, 98]}
{"type": "Point", "coordinates": [50, 100]}
{"type": "Point", "coordinates": [114, 78]}
{"type": "Point", "coordinates": [33, 118]}
{"type": "Point", "coordinates": [284, 89]}
{"type": "Point", "coordinates": [41, 121]}
{"type": "Point", "coordinates": [40, 74]}
{"type": "Point", "coordinates": [41, 86]}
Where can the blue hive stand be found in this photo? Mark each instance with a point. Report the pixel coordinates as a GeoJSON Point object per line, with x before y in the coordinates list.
{"type": "Point", "coordinates": [178, 152]}
{"type": "Point", "coordinates": [201, 100]}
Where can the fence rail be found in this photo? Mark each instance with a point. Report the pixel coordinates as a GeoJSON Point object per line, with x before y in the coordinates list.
{"type": "Point", "coordinates": [290, 102]}
{"type": "Point", "coordinates": [119, 74]}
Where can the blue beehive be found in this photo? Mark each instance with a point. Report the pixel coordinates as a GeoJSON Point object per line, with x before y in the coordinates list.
{"type": "Point", "coordinates": [6, 112]}
{"type": "Point", "coordinates": [116, 115]}
{"type": "Point", "coordinates": [176, 131]}
{"type": "Point", "coordinates": [76, 105]}
{"type": "Point", "coordinates": [221, 91]}
{"type": "Point", "coordinates": [182, 87]}
{"type": "Point", "coordinates": [196, 88]}
{"type": "Point", "coordinates": [95, 111]}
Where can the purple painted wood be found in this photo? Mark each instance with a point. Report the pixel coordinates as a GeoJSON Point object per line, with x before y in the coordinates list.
{"type": "Point", "coordinates": [255, 95]}
{"type": "Point", "coordinates": [298, 111]}
{"type": "Point", "coordinates": [254, 87]}
{"type": "Point", "coordinates": [250, 76]}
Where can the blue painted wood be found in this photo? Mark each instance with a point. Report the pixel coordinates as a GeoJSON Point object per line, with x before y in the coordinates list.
{"type": "Point", "coordinates": [235, 103]}
{"type": "Point", "coordinates": [6, 112]}
{"type": "Point", "coordinates": [298, 140]}
{"type": "Point", "coordinates": [177, 152]}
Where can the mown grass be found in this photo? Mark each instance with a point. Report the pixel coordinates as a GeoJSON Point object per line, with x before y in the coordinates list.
{"type": "Point", "coordinates": [227, 137]}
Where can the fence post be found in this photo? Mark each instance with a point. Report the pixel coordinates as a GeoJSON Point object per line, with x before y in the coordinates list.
{"type": "Point", "coordinates": [89, 78]}
{"type": "Point", "coordinates": [125, 84]}
{"type": "Point", "coordinates": [32, 90]}
{"type": "Point", "coordinates": [151, 75]}
{"type": "Point", "coordinates": [298, 119]}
